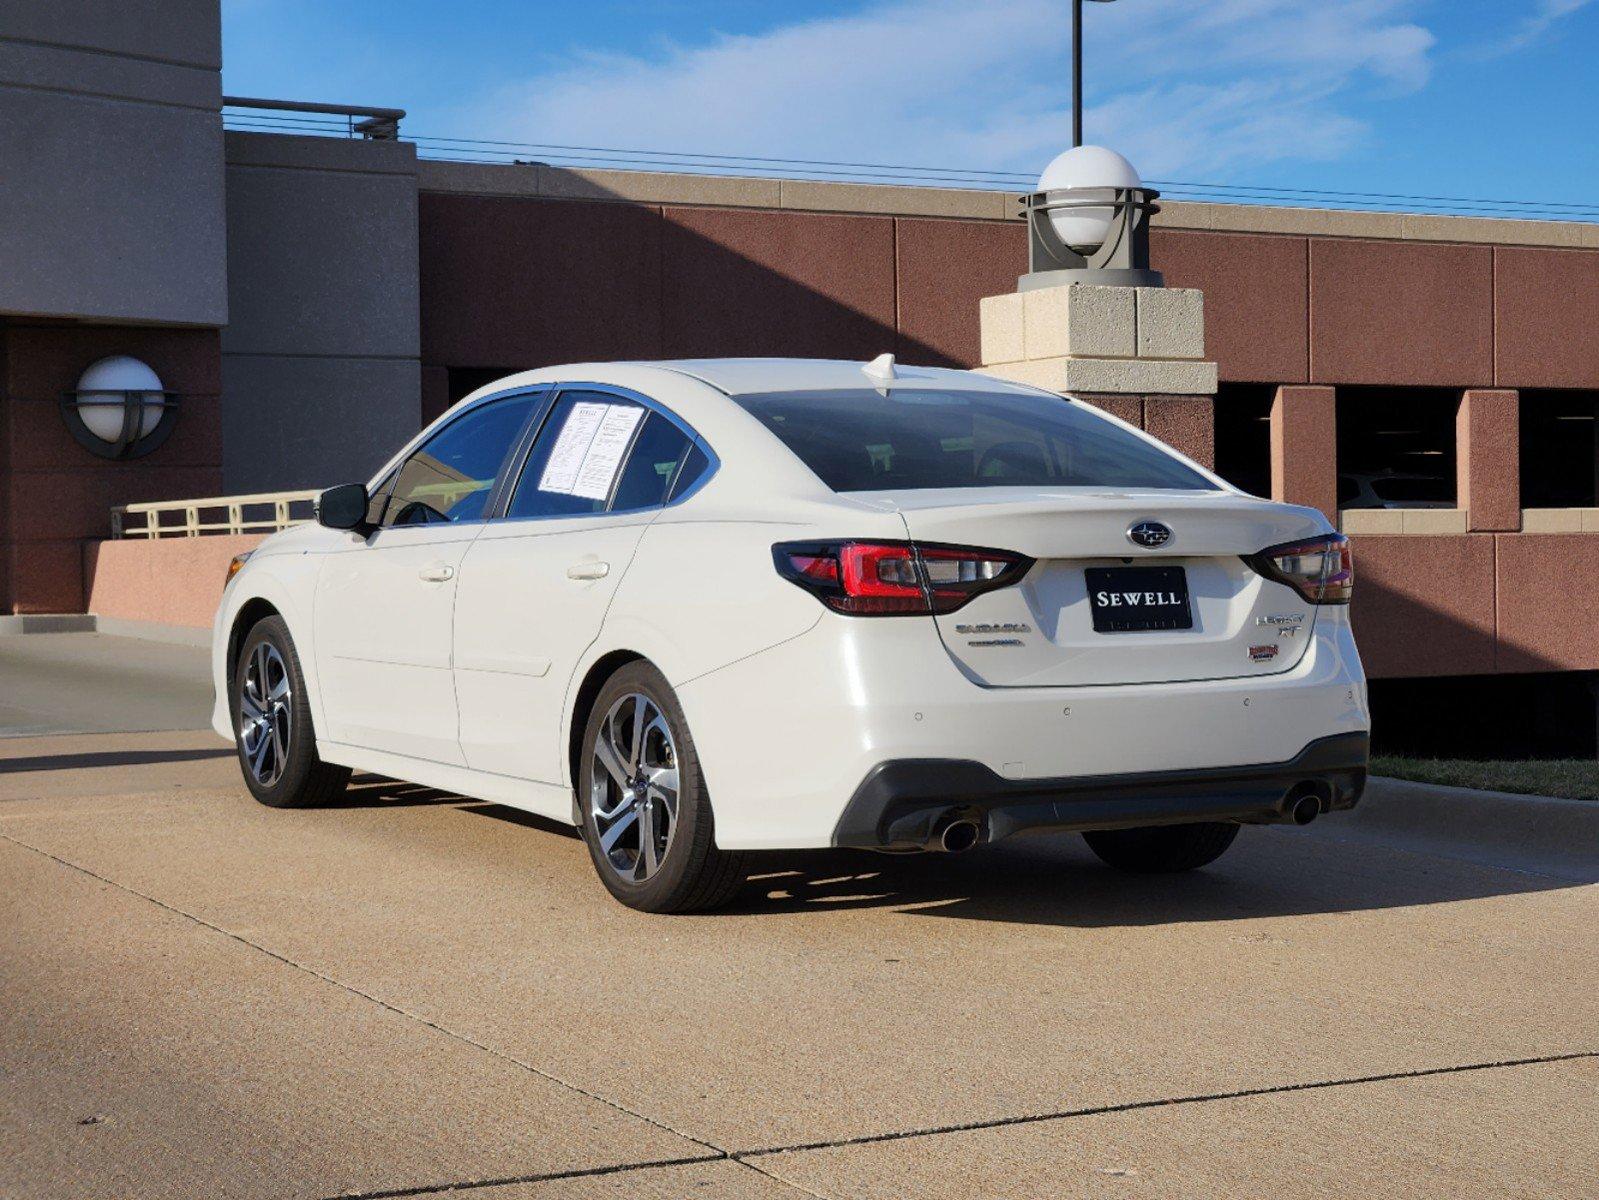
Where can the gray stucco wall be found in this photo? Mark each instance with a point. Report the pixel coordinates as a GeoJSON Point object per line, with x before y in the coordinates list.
{"type": "Point", "coordinates": [320, 375]}
{"type": "Point", "coordinates": [111, 201]}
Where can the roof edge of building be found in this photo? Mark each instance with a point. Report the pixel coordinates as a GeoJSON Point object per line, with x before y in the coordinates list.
{"type": "Point", "coordinates": [545, 182]}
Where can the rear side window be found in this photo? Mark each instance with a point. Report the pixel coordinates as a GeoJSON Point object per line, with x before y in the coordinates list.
{"type": "Point", "coordinates": [861, 440]}
{"type": "Point", "coordinates": [651, 466]}
{"type": "Point", "coordinates": [578, 455]}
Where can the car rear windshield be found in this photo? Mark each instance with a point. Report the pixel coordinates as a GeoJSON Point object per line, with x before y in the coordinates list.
{"type": "Point", "coordinates": [868, 440]}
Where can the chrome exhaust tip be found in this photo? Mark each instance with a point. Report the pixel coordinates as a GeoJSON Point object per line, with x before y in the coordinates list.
{"type": "Point", "coordinates": [1305, 802]}
{"type": "Point", "coordinates": [958, 836]}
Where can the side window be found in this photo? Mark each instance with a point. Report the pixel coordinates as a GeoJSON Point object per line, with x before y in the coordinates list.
{"type": "Point", "coordinates": [449, 476]}
{"type": "Point", "coordinates": [695, 465]}
{"type": "Point", "coordinates": [651, 466]}
{"type": "Point", "coordinates": [578, 455]}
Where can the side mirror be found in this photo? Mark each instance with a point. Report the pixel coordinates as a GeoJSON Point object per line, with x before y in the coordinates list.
{"type": "Point", "coordinates": [344, 507]}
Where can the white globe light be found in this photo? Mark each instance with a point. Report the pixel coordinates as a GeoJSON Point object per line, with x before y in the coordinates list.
{"type": "Point", "coordinates": [101, 411]}
{"type": "Point", "coordinates": [1091, 167]}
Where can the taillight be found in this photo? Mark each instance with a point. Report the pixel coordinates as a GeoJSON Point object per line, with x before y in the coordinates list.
{"type": "Point", "coordinates": [892, 579]}
{"type": "Point", "coordinates": [1321, 569]}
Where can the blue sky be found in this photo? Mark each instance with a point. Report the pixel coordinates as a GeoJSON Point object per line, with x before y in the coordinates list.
{"type": "Point", "coordinates": [1472, 98]}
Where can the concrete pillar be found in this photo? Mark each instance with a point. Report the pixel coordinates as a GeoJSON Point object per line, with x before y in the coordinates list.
{"type": "Point", "coordinates": [1304, 448]}
{"type": "Point", "coordinates": [1089, 338]}
{"type": "Point", "coordinates": [1488, 460]}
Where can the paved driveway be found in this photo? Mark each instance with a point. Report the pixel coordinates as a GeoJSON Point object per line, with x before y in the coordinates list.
{"type": "Point", "coordinates": [412, 994]}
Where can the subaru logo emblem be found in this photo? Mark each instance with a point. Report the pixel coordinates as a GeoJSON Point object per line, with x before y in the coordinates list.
{"type": "Point", "coordinates": [1151, 535]}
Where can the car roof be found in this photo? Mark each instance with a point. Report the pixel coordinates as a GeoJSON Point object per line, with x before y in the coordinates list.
{"type": "Point", "coordinates": [749, 376]}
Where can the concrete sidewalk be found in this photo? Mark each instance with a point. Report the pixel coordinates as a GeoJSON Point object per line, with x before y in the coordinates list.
{"type": "Point", "coordinates": [414, 994]}
{"type": "Point", "coordinates": [97, 683]}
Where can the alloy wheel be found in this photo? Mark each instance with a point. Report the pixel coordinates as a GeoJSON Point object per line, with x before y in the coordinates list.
{"type": "Point", "coordinates": [265, 714]}
{"type": "Point", "coordinates": [634, 789]}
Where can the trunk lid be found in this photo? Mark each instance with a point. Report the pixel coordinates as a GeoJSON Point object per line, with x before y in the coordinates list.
{"type": "Point", "coordinates": [1041, 632]}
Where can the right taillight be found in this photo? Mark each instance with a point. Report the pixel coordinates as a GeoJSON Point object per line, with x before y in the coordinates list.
{"type": "Point", "coordinates": [1321, 569]}
{"type": "Point", "coordinates": [896, 579]}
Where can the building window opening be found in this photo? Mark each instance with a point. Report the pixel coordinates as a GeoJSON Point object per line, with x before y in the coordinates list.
{"type": "Point", "coordinates": [1396, 447]}
{"type": "Point", "coordinates": [1464, 716]}
{"type": "Point", "coordinates": [1559, 449]}
{"type": "Point", "coordinates": [1243, 435]}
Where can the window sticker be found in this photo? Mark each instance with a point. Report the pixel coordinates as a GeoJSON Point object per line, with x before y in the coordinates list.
{"type": "Point", "coordinates": [588, 452]}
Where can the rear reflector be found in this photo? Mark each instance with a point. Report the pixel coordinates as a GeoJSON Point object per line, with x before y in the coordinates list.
{"type": "Point", "coordinates": [894, 579]}
{"type": "Point", "coordinates": [1321, 569]}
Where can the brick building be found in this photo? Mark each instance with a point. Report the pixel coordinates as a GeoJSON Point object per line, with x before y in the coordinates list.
{"type": "Point", "coordinates": [1430, 382]}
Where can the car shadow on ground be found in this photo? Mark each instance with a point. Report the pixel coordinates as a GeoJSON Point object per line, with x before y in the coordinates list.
{"type": "Point", "coordinates": [109, 758]}
{"type": "Point", "coordinates": [1055, 880]}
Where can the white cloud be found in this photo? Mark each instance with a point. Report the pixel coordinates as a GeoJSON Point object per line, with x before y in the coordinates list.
{"type": "Point", "coordinates": [1185, 88]}
{"type": "Point", "coordinates": [1544, 15]}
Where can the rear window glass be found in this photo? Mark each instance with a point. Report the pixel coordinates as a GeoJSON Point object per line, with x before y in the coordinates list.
{"type": "Point", "coordinates": [864, 440]}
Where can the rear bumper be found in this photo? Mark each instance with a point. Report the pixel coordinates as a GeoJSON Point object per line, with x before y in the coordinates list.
{"type": "Point", "coordinates": [902, 805]}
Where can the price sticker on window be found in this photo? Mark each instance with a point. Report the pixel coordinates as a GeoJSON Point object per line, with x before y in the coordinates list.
{"type": "Point", "coordinates": [588, 451]}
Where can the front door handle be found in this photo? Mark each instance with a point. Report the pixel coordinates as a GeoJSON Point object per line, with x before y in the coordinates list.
{"type": "Point", "coordinates": [436, 573]}
{"type": "Point", "coordinates": [588, 570]}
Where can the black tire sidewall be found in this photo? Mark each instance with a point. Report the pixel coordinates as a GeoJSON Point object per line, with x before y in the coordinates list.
{"type": "Point", "coordinates": [290, 787]}
{"type": "Point", "coordinates": [693, 841]}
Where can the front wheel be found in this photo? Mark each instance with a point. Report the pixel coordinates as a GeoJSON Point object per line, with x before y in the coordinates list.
{"type": "Point", "coordinates": [272, 723]}
{"type": "Point", "coordinates": [1162, 849]}
{"type": "Point", "coordinates": [646, 815]}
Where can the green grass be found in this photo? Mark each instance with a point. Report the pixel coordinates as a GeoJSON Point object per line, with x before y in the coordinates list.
{"type": "Point", "coordinates": [1574, 778]}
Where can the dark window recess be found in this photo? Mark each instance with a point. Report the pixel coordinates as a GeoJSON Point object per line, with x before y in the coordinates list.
{"type": "Point", "coordinates": [1559, 449]}
{"type": "Point", "coordinates": [466, 380]}
{"type": "Point", "coordinates": [1243, 435]}
{"type": "Point", "coordinates": [1486, 717]}
{"type": "Point", "coordinates": [1396, 447]}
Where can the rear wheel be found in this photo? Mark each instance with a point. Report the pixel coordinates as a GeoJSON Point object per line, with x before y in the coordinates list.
{"type": "Point", "coordinates": [1161, 849]}
{"type": "Point", "coordinates": [272, 724]}
{"type": "Point", "coordinates": [646, 815]}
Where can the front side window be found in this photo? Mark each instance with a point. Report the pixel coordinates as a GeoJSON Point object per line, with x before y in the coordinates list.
{"type": "Point", "coordinates": [862, 440]}
{"type": "Point", "coordinates": [449, 477]}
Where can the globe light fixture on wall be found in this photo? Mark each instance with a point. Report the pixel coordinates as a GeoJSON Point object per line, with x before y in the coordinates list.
{"type": "Point", "coordinates": [119, 408]}
{"type": "Point", "coordinates": [1088, 222]}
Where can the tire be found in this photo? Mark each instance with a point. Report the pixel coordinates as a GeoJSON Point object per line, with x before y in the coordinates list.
{"type": "Point", "coordinates": [277, 749]}
{"type": "Point", "coordinates": [623, 804]}
{"type": "Point", "coordinates": [1162, 849]}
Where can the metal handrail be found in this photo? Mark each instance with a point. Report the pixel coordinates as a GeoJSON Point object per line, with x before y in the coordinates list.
{"type": "Point", "coordinates": [193, 524]}
{"type": "Point", "coordinates": [381, 124]}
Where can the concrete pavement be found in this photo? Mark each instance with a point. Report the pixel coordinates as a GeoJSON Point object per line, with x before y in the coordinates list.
{"type": "Point", "coordinates": [98, 683]}
{"type": "Point", "coordinates": [413, 994]}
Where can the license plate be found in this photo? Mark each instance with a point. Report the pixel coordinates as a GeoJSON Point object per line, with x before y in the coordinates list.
{"type": "Point", "coordinates": [1137, 599]}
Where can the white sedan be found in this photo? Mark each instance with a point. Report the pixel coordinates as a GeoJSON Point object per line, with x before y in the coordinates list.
{"type": "Point", "coordinates": [704, 608]}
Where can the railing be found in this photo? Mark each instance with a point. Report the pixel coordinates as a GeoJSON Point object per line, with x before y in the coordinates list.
{"type": "Point", "coordinates": [378, 124]}
{"type": "Point", "coordinates": [262, 512]}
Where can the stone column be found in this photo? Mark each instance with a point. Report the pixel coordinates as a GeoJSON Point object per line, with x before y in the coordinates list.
{"type": "Point", "coordinates": [1488, 460]}
{"type": "Point", "coordinates": [1136, 352]}
{"type": "Point", "coordinates": [1304, 448]}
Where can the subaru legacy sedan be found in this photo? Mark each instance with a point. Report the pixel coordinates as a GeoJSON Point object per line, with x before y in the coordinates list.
{"type": "Point", "coordinates": [699, 609]}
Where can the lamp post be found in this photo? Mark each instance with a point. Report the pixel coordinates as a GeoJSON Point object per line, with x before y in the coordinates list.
{"type": "Point", "coordinates": [1077, 69]}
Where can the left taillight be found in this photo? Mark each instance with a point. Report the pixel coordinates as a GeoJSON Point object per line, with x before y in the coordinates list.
{"type": "Point", "coordinates": [895, 579]}
{"type": "Point", "coordinates": [1321, 569]}
{"type": "Point", "coordinates": [233, 566]}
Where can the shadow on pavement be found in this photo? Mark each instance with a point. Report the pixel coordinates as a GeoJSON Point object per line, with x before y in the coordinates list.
{"type": "Point", "coordinates": [109, 758]}
{"type": "Point", "coordinates": [378, 791]}
{"type": "Point", "coordinates": [1055, 881]}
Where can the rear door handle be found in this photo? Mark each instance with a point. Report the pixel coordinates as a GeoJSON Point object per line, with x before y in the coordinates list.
{"type": "Point", "coordinates": [436, 573]}
{"type": "Point", "coordinates": [588, 570]}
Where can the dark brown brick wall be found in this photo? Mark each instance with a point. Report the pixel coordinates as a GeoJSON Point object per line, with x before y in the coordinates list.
{"type": "Point", "coordinates": [54, 494]}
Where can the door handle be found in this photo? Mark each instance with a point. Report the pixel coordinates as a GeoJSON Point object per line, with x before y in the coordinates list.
{"type": "Point", "coordinates": [588, 570]}
{"type": "Point", "coordinates": [436, 573]}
